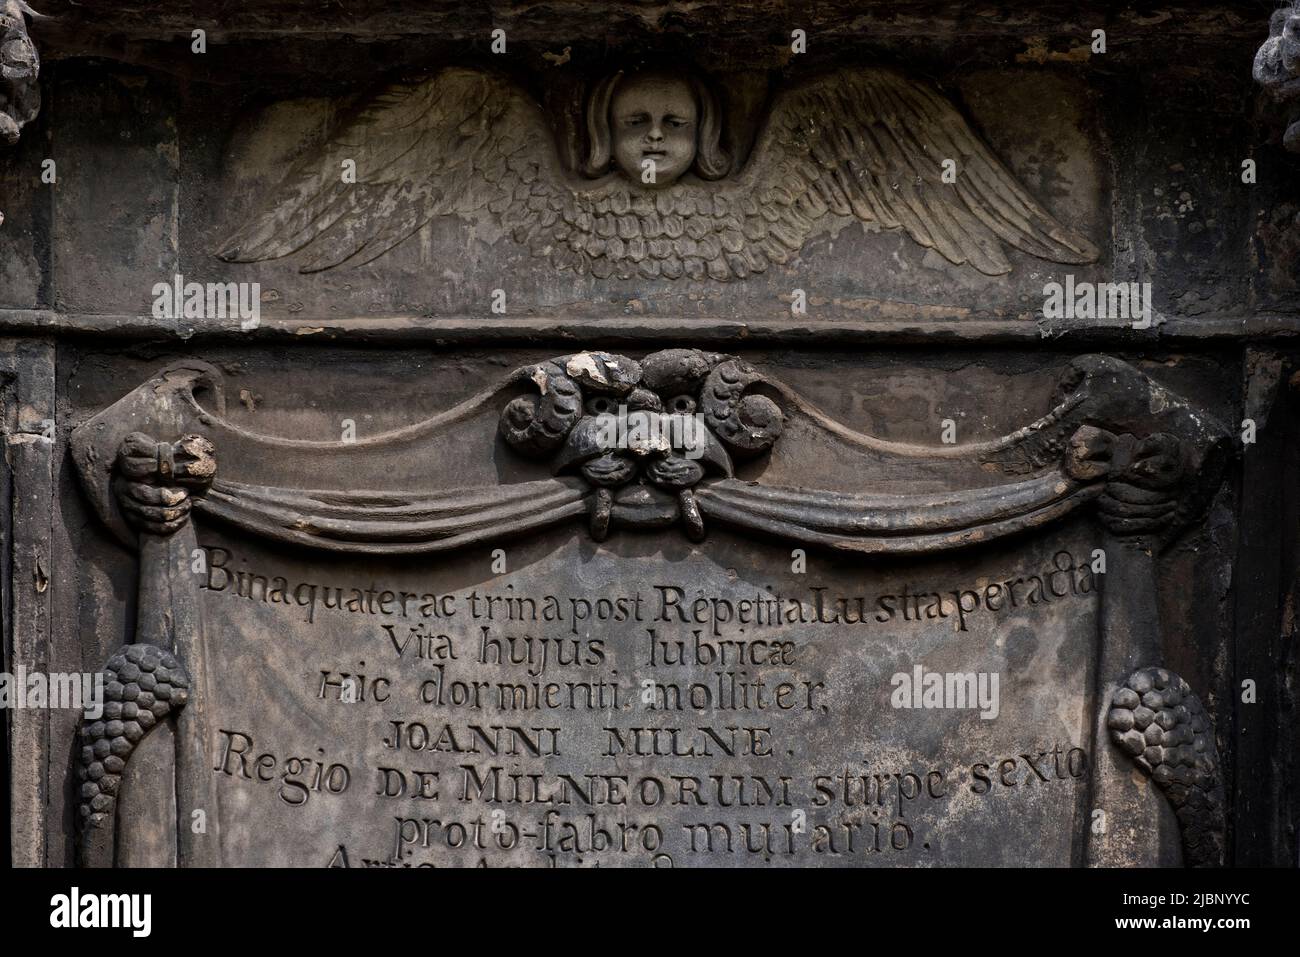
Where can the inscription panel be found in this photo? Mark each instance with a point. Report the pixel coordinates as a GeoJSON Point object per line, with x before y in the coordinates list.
{"type": "Point", "coordinates": [651, 704]}
{"type": "Point", "coordinates": [499, 636]}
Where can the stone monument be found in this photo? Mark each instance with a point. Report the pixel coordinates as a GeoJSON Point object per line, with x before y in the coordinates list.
{"type": "Point", "coordinates": [763, 439]}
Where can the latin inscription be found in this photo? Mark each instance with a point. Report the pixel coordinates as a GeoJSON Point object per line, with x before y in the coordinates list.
{"type": "Point", "coordinates": [534, 720]}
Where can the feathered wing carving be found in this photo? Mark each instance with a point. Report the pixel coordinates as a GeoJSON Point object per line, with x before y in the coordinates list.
{"type": "Point", "coordinates": [458, 142]}
{"type": "Point", "coordinates": [856, 144]}
{"type": "Point", "coordinates": [870, 143]}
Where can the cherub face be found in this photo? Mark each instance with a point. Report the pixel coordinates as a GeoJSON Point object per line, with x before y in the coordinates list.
{"type": "Point", "coordinates": [654, 121]}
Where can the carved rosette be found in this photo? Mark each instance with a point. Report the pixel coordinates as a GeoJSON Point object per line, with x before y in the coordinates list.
{"type": "Point", "coordinates": [643, 434]}
{"type": "Point", "coordinates": [1277, 69]}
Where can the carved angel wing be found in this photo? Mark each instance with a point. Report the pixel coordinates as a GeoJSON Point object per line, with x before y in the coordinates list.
{"type": "Point", "coordinates": [855, 144]}
{"type": "Point", "coordinates": [457, 142]}
{"type": "Point", "coordinates": [865, 144]}
{"type": "Point", "coordinates": [870, 143]}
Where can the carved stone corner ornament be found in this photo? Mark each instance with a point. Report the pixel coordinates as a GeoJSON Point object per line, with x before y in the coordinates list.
{"type": "Point", "coordinates": [657, 196]}
{"type": "Point", "coordinates": [648, 443]}
{"type": "Point", "coordinates": [20, 97]}
{"type": "Point", "coordinates": [1277, 69]}
{"type": "Point", "coordinates": [147, 682]}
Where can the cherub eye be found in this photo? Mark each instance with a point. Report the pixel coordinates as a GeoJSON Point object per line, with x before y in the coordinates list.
{"type": "Point", "coordinates": [681, 404]}
{"type": "Point", "coordinates": [600, 405]}
{"type": "Point", "coordinates": [674, 121]}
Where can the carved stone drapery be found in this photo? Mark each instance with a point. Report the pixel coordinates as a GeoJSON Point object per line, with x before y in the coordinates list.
{"type": "Point", "coordinates": [1107, 429]}
{"type": "Point", "coordinates": [1113, 439]}
{"type": "Point", "coordinates": [1145, 501]}
{"type": "Point", "coordinates": [143, 685]}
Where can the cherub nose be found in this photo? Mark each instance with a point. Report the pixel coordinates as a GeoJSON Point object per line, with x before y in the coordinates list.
{"type": "Point", "coordinates": [656, 132]}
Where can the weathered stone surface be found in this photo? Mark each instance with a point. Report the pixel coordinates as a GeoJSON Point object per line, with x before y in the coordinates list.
{"type": "Point", "coordinates": [514, 511]}
{"type": "Point", "coordinates": [786, 752]}
{"type": "Point", "coordinates": [1141, 185]}
{"type": "Point", "coordinates": [293, 631]}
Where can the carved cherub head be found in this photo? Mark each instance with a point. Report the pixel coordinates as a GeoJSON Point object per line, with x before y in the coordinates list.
{"type": "Point", "coordinates": [655, 127]}
{"type": "Point", "coordinates": [472, 143]}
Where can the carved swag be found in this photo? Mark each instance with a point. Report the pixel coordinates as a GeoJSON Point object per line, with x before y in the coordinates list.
{"type": "Point", "coordinates": [1113, 439]}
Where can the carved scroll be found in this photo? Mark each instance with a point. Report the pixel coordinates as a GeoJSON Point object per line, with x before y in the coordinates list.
{"type": "Point", "coordinates": [1113, 440]}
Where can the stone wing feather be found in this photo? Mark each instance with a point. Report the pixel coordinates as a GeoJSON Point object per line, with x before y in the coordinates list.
{"type": "Point", "coordinates": [452, 143]}
{"type": "Point", "coordinates": [871, 144]}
